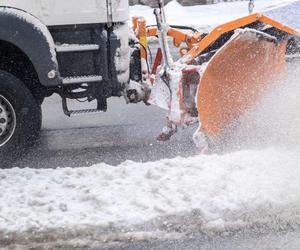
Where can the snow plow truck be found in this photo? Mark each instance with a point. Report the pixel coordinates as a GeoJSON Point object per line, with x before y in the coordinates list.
{"type": "Point", "coordinates": [89, 51]}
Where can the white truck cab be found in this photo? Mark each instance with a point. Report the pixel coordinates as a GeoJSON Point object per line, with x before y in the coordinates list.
{"type": "Point", "coordinates": [79, 49]}
{"type": "Point", "coordinates": [66, 12]}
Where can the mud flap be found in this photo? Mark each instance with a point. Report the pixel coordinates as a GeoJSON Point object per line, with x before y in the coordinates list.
{"type": "Point", "coordinates": [236, 77]}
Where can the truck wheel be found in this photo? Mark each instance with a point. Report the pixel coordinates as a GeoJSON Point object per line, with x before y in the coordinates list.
{"type": "Point", "coordinates": [20, 118]}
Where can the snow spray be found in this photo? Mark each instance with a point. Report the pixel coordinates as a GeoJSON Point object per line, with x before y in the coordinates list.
{"type": "Point", "coordinates": [275, 120]}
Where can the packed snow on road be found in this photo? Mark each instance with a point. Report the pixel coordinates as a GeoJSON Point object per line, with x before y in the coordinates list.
{"type": "Point", "coordinates": [254, 184]}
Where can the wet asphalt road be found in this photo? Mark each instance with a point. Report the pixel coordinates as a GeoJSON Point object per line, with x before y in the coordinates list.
{"type": "Point", "coordinates": [239, 241]}
{"type": "Point", "coordinates": [125, 132]}
{"type": "Point", "coordinates": [249, 241]}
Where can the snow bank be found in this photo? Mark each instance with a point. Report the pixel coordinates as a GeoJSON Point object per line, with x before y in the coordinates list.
{"type": "Point", "coordinates": [207, 16]}
{"type": "Point", "coordinates": [223, 192]}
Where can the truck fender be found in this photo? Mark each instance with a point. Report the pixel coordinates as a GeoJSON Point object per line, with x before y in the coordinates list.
{"type": "Point", "coordinates": [29, 34]}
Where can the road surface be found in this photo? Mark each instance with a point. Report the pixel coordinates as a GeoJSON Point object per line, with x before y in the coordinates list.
{"type": "Point", "coordinates": [125, 132]}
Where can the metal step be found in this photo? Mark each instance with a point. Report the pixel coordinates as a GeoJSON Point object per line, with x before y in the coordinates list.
{"type": "Point", "coordinates": [65, 48]}
{"type": "Point", "coordinates": [82, 112]}
{"type": "Point", "coordinates": [81, 79]}
{"type": "Point", "coordinates": [77, 112]}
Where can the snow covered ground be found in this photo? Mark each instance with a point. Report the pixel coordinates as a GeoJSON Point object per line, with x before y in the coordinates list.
{"type": "Point", "coordinates": [202, 194]}
{"type": "Point", "coordinates": [205, 17]}
{"type": "Point", "coordinates": [288, 14]}
{"type": "Point", "coordinates": [257, 186]}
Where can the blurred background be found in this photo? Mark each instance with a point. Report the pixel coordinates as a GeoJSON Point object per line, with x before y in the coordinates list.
{"type": "Point", "coordinates": [153, 3]}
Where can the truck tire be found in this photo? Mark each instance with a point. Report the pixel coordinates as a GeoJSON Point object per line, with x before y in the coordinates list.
{"type": "Point", "coordinates": [20, 118]}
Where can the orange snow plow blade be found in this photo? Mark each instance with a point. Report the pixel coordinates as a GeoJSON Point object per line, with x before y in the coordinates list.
{"type": "Point", "coordinates": [236, 77]}
{"type": "Point", "coordinates": [228, 70]}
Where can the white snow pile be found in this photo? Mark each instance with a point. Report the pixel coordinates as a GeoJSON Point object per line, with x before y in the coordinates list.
{"type": "Point", "coordinates": [206, 17]}
{"type": "Point", "coordinates": [233, 191]}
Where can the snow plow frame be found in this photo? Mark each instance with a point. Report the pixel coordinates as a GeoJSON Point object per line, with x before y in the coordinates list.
{"type": "Point", "coordinates": [205, 48]}
{"type": "Point", "coordinates": [197, 44]}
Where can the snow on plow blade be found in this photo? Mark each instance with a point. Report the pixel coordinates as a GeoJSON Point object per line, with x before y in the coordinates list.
{"type": "Point", "coordinates": [221, 74]}
{"type": "Point", "coordinates": [236, 76]}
